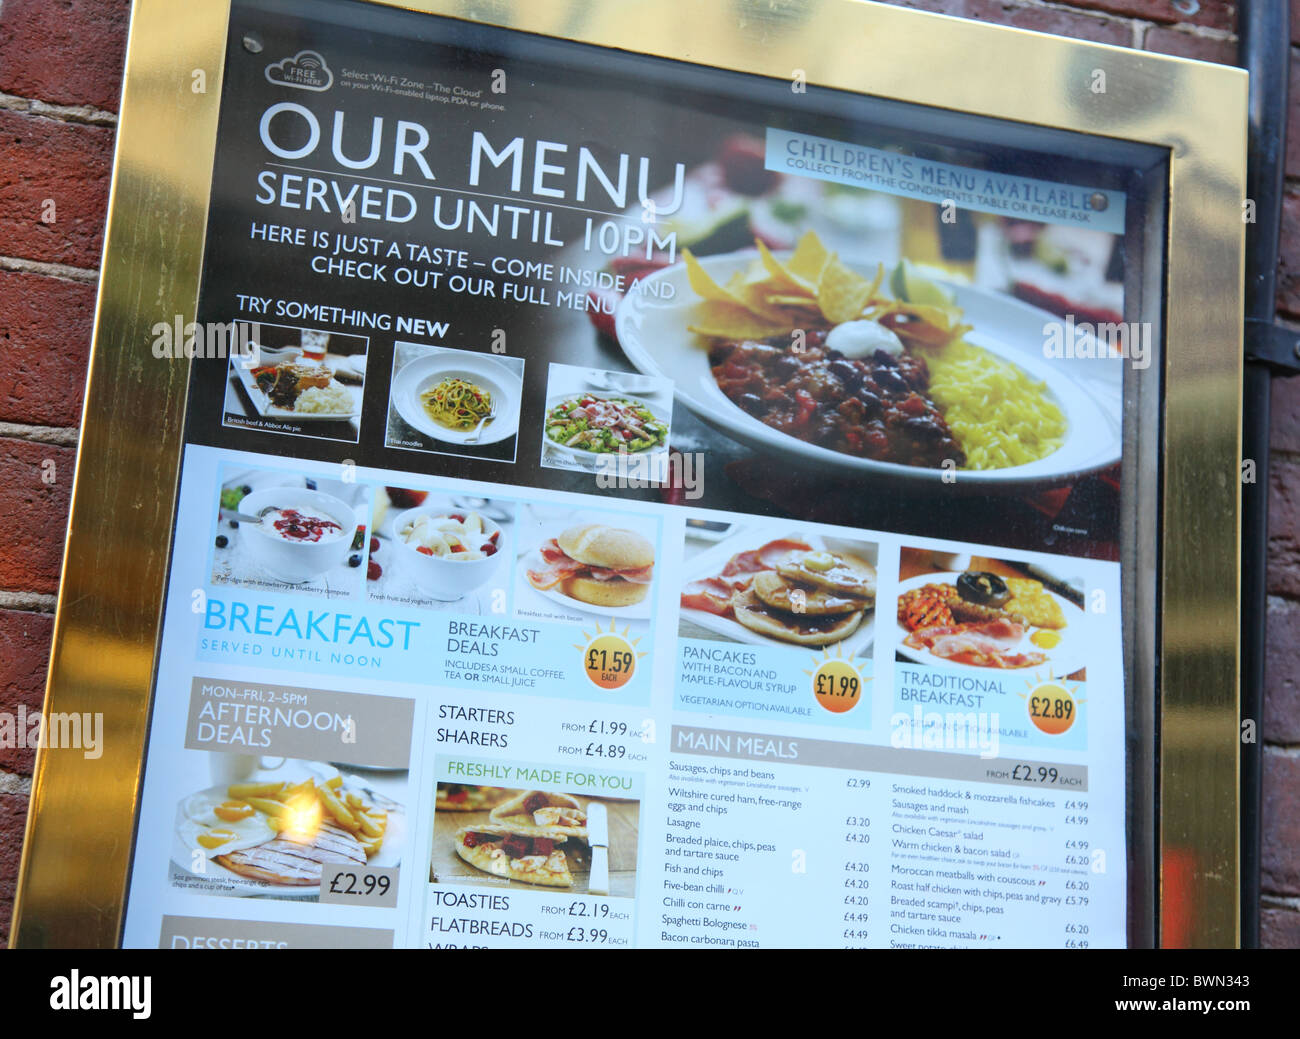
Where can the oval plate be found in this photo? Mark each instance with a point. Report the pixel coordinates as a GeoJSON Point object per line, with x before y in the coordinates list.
{"type": "Point", "coordinates": [652, 330]}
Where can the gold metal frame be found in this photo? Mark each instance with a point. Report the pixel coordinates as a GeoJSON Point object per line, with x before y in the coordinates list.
{"type": "Point", "coordinates": [77, 854]}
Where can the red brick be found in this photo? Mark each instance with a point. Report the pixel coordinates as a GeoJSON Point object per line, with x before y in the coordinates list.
{"type": "Point", "coordinates": [1280, 868]}
{"type": "Point", "coordinates": [1188, 45]}
{"type": "Point", "coordinates": [1098, 28]}
{"type": "Point", "coordinates": [1279, 929]}
{"type": "Point", "coordinates": [45, 330]}
{"type": "Point", "coordinates": [1284, 414]}
{"type": "Point", "coordinates": [66, 162]}
{"type": "Point", "coordinates": [66, 51]}
{"type": "Point", "coordinates": [13, 821]}
{"type": "Point", "coordinates": [1215, 14]}
{"type": "Point", "coordinates": [24, 659]}
{"type": "Point", "coordinates": [1282, 672]}
{"type": "Point", "coordinates": [1288, 268]}
{"type": "Point", "coordinates": [1284, 528]}
{"type": "Point", "coordinates": [36, 514]}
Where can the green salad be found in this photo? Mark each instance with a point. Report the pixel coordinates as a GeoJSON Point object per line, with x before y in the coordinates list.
{"type": "Point", "coordinates": [604, 424]}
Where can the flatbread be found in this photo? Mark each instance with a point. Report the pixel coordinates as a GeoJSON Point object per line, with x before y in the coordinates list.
{"type": "Point", "coordinates": [850, 575]}
{"type": "Point", "coordinates": [800, 629]}
{"type": "Point", "coordinates": [537, 813]}
{"type": "Point", "coordinates": [780, 594]}
{"type": "Point", "coordinates": [476, 799]}
{"type": "Point", "coordinates": [490, 856]}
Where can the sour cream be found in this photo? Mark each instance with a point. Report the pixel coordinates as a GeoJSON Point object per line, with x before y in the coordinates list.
{"type": "Point", "coordinates": [862, 339]}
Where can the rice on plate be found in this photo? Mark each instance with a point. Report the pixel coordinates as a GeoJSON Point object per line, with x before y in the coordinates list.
{"type": "Point", "coordinates": [1001, 417]}
{"type": "Point", "coordinates": [324, 400]}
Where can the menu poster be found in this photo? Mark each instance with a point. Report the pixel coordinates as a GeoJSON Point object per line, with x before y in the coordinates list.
{"type": "Point", "coordinates": [623, 505]}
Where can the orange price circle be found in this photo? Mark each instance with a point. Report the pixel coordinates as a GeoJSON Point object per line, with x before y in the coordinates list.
{"type": "Point", "coordinates": [609, 661]}
{"type": "Point", "coordinates": [1052, 709]}
{"type": "Point", "coordinates": [837, 686]}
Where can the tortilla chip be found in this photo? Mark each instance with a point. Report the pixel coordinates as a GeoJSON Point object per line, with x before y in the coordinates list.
{"type": "Point", "coordinates": [809, 258]}
{"type": "Point", "coordinates": [732, 321]}
{"type": "Point", "coordinates": [703, 284]}
{"type": "Point", "coordinates": [755, 297]}
{"type": "Point", "coordinates": [780, 278]}
{"type": "Point", "coordinates": [934, 326]}
{"type": "Point", "coordinates": [843, 294]}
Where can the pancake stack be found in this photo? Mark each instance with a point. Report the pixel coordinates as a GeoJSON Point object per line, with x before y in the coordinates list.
{"type": "Point", "coordinates": [810, 598]}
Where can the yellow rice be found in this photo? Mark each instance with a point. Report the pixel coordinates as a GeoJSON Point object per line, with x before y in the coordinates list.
{"type": "Point", "coordinates": [999, 415]}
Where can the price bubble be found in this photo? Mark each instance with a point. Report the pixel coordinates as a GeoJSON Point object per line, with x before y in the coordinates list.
{"type": "Point", "coordinates": [837, 686]}
{"type": "Point", "coordinates": [344, 884]}
{"type": "Point", "coordinates": [1051, 708]}
{"type": "Point", "coordinates": [609, 661]}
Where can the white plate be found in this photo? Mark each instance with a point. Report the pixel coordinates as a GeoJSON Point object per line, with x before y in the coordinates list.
{"type": "Point", "coordinates": [653, 334]}
{"type": "Point", "coordinates": [266, 409]}
{"type": "Point", "coordinates": [390, 854]}
{"type": "Point", "coordinates": [504, 385]}
{"type": "Point", "coordinates": [711, 563]}
{"type": "Point", "coordinates": [1068, 656]}
{"type": "Point", "coordinates": [582, 452]}
{"type": "Point", "coordinates": [639, 611]}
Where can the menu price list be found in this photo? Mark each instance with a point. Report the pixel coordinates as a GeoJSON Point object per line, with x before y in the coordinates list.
{"type": "Point", "coordinates": [477, 920]}
{"type": "Point", "coordinates": [606, 739]}
{"type": "Point", "coordinates": [875, 859]}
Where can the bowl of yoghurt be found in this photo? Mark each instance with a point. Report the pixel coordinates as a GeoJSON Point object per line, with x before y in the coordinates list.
{"type": "Point", "coordinates": [301, 535]}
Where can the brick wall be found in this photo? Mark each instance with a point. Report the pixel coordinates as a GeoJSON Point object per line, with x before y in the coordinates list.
{"type": "Point", "coordinates": [60, 72]}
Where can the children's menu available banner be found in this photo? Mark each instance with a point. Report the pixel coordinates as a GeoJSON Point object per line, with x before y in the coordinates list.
{"type": "Point", "coordinates": [597, 534]}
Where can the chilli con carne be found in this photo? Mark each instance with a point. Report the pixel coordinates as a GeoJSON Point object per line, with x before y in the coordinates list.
{"type": "Point", "coordinates": [871, 407]}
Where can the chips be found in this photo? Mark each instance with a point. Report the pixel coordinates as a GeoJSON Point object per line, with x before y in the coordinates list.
{"type": "Point", "coordinates": [772, 298]}
{"type": "Point", "coordinates": [809, 258]}
{"type": "Point", "coordinates": [842, 294]}
{"type": "Point", "coordinates": [730, 321]}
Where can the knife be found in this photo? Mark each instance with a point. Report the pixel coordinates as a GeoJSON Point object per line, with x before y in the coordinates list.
{"type": "Point", "coordinates": [598, 839]}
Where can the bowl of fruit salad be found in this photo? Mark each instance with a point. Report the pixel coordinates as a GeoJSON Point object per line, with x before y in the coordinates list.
{"type": "Point", "coordinates": [448, 553]}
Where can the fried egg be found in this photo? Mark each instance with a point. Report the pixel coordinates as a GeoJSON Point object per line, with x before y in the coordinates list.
{"type": "Point", "coordinates": [214, 825]}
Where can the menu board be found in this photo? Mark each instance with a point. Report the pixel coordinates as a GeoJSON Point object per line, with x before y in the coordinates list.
{"type": "Point", "coordinates": [630, 504]}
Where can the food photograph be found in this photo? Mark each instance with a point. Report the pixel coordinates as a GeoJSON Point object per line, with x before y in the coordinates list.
{"type": "Point", "coordinates": [439, 551]}
{"type": "Point", "coordinates": [285, 532]}
{"type": "Point", "coordinates": [770, 585]}
{"type": "Point", "coordinates": [535, 839]}
{"type": "Point", "coordinates": [300, 381]}
{"type": "Point", "coordinates": [268, 827]}
{"type": "Point", "coordinates": [454, 402]}
{"type": "Point", "coordinates": [822, 338]}
{"type": "Point", "coordinates": [576, 565]}
{"type": "Point", "coordinates": [976, 613]}
{"type": "Point", "coordinates": [598, 420]}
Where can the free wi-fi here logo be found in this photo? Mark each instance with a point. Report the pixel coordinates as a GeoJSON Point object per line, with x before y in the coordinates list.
{"type": "Point", "coordinates": [306, 70]}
